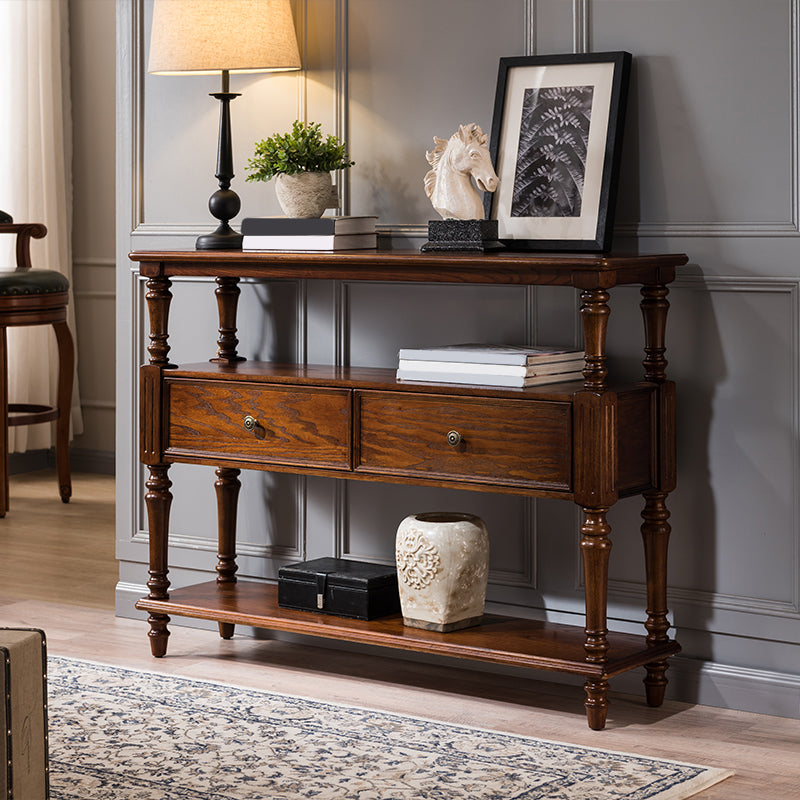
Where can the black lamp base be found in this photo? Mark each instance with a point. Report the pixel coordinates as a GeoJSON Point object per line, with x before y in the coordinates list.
{"type": "Point", "coordinates": [223, 238]}
{"type": "Point", "coordinates": [224, 204]}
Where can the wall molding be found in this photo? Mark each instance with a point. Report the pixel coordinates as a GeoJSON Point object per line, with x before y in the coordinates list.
{"type": "Point", "coordinates": [300, 12]}
{"type": "Point", "coordinates": [137, 72]}
{"type": "Point", "coordinates": [104, 405]}
{"type": "Point", "coordinates": [530, 27]}
{"type": "Point", "coordinates": [581, 30]}
{"type": "Point", "coordinates": [708, 230]}
{"type": "Point", "coordinates": [341, 95]}
{"type": "Point", "coordinates": [209, 542]}
{"type": "Point", "coordinates": [719, 229]}
{"type": "Point", "coordinates": [93, 294]}
{"type": "Point", "coordinates": [794, 155]}
{"type": "Point", "coordinates": [78, 261]}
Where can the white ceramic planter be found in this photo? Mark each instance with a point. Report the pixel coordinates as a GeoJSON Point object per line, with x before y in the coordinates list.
{"type": "Point", "coordinates": [306, 194]}
{"type": "Point", "coordinates": [442, 570]}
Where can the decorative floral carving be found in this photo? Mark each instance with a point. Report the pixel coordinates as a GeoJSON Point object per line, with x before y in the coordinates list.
{"type": "Point", "coordinates": [418, 560]}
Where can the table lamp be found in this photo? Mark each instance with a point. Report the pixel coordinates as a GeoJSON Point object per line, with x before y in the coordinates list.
{"type": "Point", "coordinates": [203, 37]}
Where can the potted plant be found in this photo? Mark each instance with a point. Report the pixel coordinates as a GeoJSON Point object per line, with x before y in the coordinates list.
{"type": "Point", "coordinates": [301, 162]}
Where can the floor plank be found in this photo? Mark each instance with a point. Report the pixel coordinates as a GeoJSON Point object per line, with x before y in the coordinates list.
{"type": "Point", "coordinates": [58, 572]}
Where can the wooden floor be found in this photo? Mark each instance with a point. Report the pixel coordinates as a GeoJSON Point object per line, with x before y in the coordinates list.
{"type": "Point", "coordinates": [57, 572]}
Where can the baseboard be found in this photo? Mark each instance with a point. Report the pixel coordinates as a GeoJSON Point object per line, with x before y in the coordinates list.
{"type": "Point", "coordinates": [31, 461]}
{"type": "Point", "coordinates": [690, 680]}
{"type": "Point", "coordinates": [98, 462]}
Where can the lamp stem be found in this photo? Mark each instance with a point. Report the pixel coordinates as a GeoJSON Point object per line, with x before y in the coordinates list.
{"type": "Point", "coordinates": [224, 204]}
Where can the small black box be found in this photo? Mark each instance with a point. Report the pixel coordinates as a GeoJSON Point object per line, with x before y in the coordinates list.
{"type": "Point", "coordinates": [335, 586]}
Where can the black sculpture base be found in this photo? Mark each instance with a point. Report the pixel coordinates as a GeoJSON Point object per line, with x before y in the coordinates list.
{"type": "Point", "coordinates": [474, 235]}
{"type": "Point", "coordinates": [223, 238]}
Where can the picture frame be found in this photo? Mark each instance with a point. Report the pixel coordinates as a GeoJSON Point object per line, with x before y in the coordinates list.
{"type": "Point", "coordinates": [555, 143]}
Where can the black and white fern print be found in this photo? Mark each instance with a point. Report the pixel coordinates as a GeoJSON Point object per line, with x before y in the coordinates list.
{"type": "Point", "coordinates": [551, 160]}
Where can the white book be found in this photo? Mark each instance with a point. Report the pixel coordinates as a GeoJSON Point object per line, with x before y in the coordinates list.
{"type": "Point", "coordinates": [336, 241]}
{"type": "Point", "coordinates": [513, 381]}
{"type": "Point", "coordinates": [529, 371]}
{"type": "Point", "coordinates": [491, 354]}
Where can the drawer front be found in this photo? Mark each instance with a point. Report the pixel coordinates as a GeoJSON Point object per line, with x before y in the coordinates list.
{"type": "Point", "coordinates": [503, 442]}
{"type": "Point", "coordinates": [290, 425]}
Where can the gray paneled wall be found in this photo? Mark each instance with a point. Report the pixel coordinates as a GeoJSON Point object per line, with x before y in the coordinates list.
{"type": "Point", "coordinates": [91, 27]}
{"type": "Point", "coordinates": [710, 168]}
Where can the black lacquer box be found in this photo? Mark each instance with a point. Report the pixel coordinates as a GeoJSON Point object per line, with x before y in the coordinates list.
{"type": "Point", "coordinates": [336, 586]}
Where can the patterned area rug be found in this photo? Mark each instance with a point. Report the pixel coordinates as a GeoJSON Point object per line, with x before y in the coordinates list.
{"type": "Point", "coordinates": [122, 734]}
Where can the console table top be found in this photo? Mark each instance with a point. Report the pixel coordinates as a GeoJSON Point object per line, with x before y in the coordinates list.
{"type": "Point", "coordinates": [581, 270]}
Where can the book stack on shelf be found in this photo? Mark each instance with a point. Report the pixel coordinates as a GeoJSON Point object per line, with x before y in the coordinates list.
{"type": "Point", "coordinates": [491, 365]}
{"type": "Point", "coordinates": [309, 234]}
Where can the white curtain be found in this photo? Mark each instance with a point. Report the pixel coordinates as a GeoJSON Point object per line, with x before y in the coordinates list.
{"type": "Point", "coordinates": [36, 185]}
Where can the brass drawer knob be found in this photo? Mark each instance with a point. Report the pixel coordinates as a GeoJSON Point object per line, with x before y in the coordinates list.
{"type": "Point", "coordinates": [254, 426]}
{"type": "Point", "coordinates": [454, 438]}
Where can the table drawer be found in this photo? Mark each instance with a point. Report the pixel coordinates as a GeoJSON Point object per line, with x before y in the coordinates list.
{"type": "Point", "coordinates": [505, 442]}
{"type": "Point", "coordinates": [289, 424]}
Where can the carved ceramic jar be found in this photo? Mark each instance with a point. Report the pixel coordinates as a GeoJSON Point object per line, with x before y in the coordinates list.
{"type": "Point", "coordinates": [306, 194]}
{"type": "Point", "coordinates": [442, 570]}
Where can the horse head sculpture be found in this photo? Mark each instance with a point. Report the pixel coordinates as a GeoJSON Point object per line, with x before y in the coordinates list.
{"type": "Point", "coordinates": [454, 162]}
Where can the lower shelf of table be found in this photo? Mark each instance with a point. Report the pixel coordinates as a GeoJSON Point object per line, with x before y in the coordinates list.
{"type": "Point", "coordinates": [499, 639]}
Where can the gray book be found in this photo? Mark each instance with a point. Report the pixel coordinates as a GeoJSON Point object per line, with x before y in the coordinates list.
{"type": "Point", "coordinates": [314, 226]}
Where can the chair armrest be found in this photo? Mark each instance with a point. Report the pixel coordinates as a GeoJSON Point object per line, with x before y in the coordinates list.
{"type": "Point", "coordinates": [24, 231]}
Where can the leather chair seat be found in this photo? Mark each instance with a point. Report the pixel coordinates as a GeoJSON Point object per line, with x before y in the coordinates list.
{"type": "Point", "coordinates": [34, 281]}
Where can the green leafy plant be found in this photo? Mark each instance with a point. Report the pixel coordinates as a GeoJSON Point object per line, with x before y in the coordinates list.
{"type": "Point", "coordinates": [303, 149]}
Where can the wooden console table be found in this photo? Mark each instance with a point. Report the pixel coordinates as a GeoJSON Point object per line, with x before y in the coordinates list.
{"type": "Point", "coordinates": [590, 442]}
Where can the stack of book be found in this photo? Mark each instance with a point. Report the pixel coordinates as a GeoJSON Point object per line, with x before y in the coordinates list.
{"type": "Point", "coordinates": [491, 365]}
{"type": "Point", "coordinates": [309, 234]}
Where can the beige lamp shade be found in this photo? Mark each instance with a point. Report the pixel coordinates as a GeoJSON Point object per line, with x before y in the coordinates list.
{"type": "Point", "coordinates": [207, 36]}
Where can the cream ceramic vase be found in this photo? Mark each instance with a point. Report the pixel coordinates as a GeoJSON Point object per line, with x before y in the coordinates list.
{"type": "Point", "coordinates": [306, 194]}
{"type": "Point", "coordinates": [442, 570]}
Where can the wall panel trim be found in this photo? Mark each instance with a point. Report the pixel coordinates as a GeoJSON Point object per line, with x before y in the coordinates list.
{"type": "Point", "coordinates": [581, 42]}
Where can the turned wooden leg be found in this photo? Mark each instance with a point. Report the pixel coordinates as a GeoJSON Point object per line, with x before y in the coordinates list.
{"type": "Point", "coordinates": [655, 535]}
{"type": "Point", "coordinates": [158, 499]}
{"type": "Point", "coordinates": [227, 488]}
{"type": "Point", "coordinates": [596, 703]}
{"type": "Point", "coordinates": [654, 306]}
{"type": "Point", "coordinates": [655, 526]}
{"type": "Point", "coordinates": [66, 367]}
{"type": "Point", "coordinates": [594, 314]}
{"type": "Point", "coordinates": [227, 294]}
{"type": "Point", "coordinates": [226, 630]}
{"type": "Point", "coordinates": [655, 682]}
{"type": "Point", "coordinates": [159, 298]}
{"type": "Point", "coordinates": [595, 550]}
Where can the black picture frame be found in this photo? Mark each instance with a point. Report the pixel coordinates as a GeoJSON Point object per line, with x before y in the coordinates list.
{"type": "Point", "coordinates": [555, 144]}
